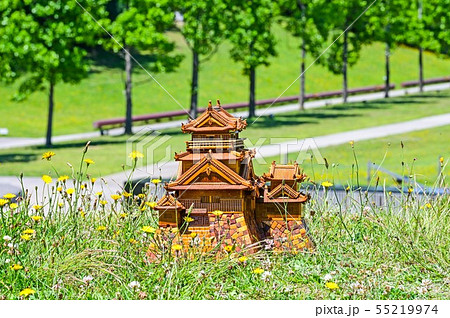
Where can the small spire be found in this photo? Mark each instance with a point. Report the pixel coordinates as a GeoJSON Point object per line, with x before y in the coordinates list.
{"type": "Point", "coordinates": [218, 103]}
{"type": "Point", "coordinates": [209, 105]}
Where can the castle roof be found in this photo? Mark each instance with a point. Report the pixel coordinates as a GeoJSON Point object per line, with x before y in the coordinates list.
{"type": "Point", "coordinates": [168, 202]}
{"type": "Point", "coordinates": [284, 172]}
{"type": "Point", "coordinates": [214, 120]}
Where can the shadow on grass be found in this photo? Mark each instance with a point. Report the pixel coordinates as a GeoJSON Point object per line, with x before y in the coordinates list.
{"type": "Point", "coordinates": [18, 157]}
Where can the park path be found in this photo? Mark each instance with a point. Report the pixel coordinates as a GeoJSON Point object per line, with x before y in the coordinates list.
{"type": "Point", "coordinates": [167, 170]}
{"type": "Point", "coordinates": [16, 142]}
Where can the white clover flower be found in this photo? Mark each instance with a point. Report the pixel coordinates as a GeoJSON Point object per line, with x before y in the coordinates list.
{"type": "Point", "coordinates": [134, 285]}
{"type": "Point", "coordinates": [87, 279]}
{"type": "Point", "coordinates": [7, 261]}
{"type": "Point", "coordinates": [7, 238]}
{"type": "Point", "coordinates": [10, 245]}
{"type": "Point", "coordinates": [266, 276]}
{"type": "Point", "coordinates": [327, 277]}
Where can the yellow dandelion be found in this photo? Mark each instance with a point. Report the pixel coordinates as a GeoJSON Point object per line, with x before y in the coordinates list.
{"type": "Point", "coordinates": [135, 155]}
{"type": "Point", "coordinates": [174, 230]}
{"type": "Point", "coordinates": [132, 241]}
{"type": "Point", "coordinates": [13, 206]}
{"type": "Point", "coordinates": [428, 205]}
{"type": "Point", "coordinates": [70, 191]}
{"type": "Point", "coordinates": [331, 285]}
{"type": "Point", "coordinates": [3, 202]}
{"type": "Point", "coordinates": [101, 228]}
{"type": "Point", "coordinates": [103, 202]}
{"type": "Point", "coordinates": [100, 193]}
{"type": "Point", "coordinates": [29, 231]}
{"type": "Point", "coordinates": [229, 248]}
{"type": "Point", "coordinates": [37, 207]}
{"type": "Point", "coordinates": [115, 197]}
{"type": "Point", "coordinates": [243, 259]}
{"type": "Point", "coordinates": [82, 213]}
{"type": "Point", "coordinates": [63, 178]}
{"type": "Point", "coordinates": [82, 186]}
{"type": "Point", "coordinates": [93, 180]}
{"type": "Point", "coordinates": [217, 213]}
{"type": "Point", "coordinates": [126, 194]}
{"type": "Point", "coordinates": [258, 270]}
{"type": "Point", "coordinates": [36, 218]}
{"type": "Point", "coordinates": [60, 204]}
{"type": "Point", "coordinates": [16, 267]}
{"type": "Point", "coordinates": [148, 229]}
{"type": "Point", "coordinates": [123, 215]}
{"type": "Point", "coordinates": [327, 184]}
{"type": "Point", "coordinates": [47, 179]}
{"type": "Point", "coordinates": [177, 247]}
{"type": "Point", "coordinates": [351, 142]}
{"type": "Point", "coordinates": [9, 196]}
{"type": "Point", "coordinates": [25, 237]}
{"type": "Point", "coordinates": [193, 235]}
{"type": "Point", "coordinates": [27, 292]}
{"type": "Point", "coordinates": [188, 219]}
{"type": "Point", "coordinates": [89, 161]}
{"type": "Point", "coordinates": [151, 204]}
{"type": "Point", "coordinates": [48, 155]}
{"type": "Point", "coordinates": [441, 159]}
{"type": "Point", "coordinates": [156, 181]}
{"type": "Point", "coordinates": [410, 190]}
{"type": "Point", "coordinates": [141, 195]}
{"type": "Point", "coordinates": [59, 189]}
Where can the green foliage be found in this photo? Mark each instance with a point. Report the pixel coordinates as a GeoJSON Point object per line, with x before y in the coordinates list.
{"type": "Point", "coordinates": [249, 30]}
{"type": "Point", "coordinates": [45, 41]}
{"type": "Point", "coordinates": [341, 14]}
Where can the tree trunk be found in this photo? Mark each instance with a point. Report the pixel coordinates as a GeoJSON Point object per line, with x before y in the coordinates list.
{"type": "Point", "coordinates": [388, 74]}
{"type": "Point", "coordinates": [251, 109]}
{"type": "Point", "coordinates": [194, 85]}
{"type": "Point", "coordinates": [129, 103]}
{"type": "Point", "coordinates": [48, 140]}
{"type": "Point", "coordinates": [301, 99]}
{"type": "Point", "coordinates": [344, 69]}
{"type": "Point", "coordinates": [421, 69]}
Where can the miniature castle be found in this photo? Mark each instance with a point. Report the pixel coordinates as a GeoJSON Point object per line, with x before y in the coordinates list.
{"type": "Point", "coordinates": [218, 197]}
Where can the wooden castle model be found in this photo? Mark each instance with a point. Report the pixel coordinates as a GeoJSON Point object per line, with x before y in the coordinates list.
{"type": "Point", "coordinates": [218, 199]}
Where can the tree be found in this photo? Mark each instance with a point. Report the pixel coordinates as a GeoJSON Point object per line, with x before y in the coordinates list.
{"type": "Point", "coordinates": [202, 29]}
{"type": "Point", "coordinates": [388, 26]}
{"type": "Point", "coordinates": [249, 26]}
{"type": "Point", "coordinates": [44, 43]}
{"type": "Point", "coordinates": [305, 19]}
{"type": "Point", "coordinates": [141, 25]}
{"type": "Point", "coordinates": [345, 51]}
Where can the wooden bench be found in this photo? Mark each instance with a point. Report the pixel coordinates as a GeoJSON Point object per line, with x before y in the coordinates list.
{"type": "Point", "coordinates": [106, 124]}
{"type": "Point", "coordinates": [435, 80]}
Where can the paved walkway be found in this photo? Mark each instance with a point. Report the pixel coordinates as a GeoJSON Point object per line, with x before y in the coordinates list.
{"type": "Point", "coordinates": [14, 142]}
{"type": "Point", "coordinates": [115, 182]}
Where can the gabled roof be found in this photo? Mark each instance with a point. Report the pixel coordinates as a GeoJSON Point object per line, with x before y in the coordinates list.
{"type": "Point", "coordinates": [214, 119]}
{"type": "Point", "coordinates": [168, 201]}
{"type": "Point", "coordinates": [284, 172]}
{"type": "Point", "coordinates": [207, 165]}
{"type": "Point", "coordinates": [283, 190]}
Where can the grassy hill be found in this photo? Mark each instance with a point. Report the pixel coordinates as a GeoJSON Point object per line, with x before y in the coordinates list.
{"type": "Point", "coordinates": [101, 94]}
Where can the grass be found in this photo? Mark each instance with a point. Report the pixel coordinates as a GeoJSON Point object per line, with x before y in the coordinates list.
{"type": "Point", "coordinates": [420, 155]}
{"type": "Point", "coordinates": [88, 250]}
{"type": "Point", "coordinates": [100, 96]}
{"type": "Point", "coordinates": [109, 153]}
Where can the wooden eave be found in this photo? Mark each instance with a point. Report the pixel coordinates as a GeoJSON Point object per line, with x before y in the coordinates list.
{"type": "Point", "coordinates": [190, 156]}
{"type": "Point", "coordinates": [168, 202]}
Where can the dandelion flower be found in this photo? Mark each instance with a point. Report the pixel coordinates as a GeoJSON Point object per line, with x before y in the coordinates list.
{"type": "Point", "coordinates": [217, 213]}
{"type": "Point", "coordinates": [89, 161]}
{"type": "Point", "coordinates": [25, 237]}
{"type": "Point", "coordinates": [63, 178]}
{"type": "Point", "coordinates": [13, 206]}
{"type": "Point", "coordinates": [327, 184]}
{"type": "Point", "coordinates": [243, 259]}
{"type": "Point", "coordinates": [100, 193]}
{"type": "Point", "coordinates": [132, 241]}
{"type": "Point", "coordinates": [151, 204]}
{"type": "Point", "coordinates": [148, 229]}
{"type": "Point", "coordinates": [135, 155]}
{"type": "Point", "coordinates": [103, 202]}
{"type": "Point", "coordinates": [27, 292]}
{"type": "Point", "coordinates": [29, 231]}
{"type": "Point", "coordinates": [93, 180]}
{"type": "Point", "coordinates": [258, 271]}
{"type": "Point", "coordinates": [177, 247]}
{"type": "Point", "coordinates": [47, 179]}
{"type": "Point", "coordinates": [141, 195]}
{"type": "Point", "coordinates": [123, 215]}
{"type": "Point", "coordinates": [36, 218]}
{"type": "Point", "coordinates": [193, 235]}
{"type": "Point", "coordinates": [115, 197]}
{"type": "Point", "coordinates": [228, 248]}
{"type": "Point", "coordinates": [126, 194]}
{"type": "Point", "coordinates": [101, 228]}
{"type": "Point", "coordinates": [16, 267]}
{"type": "Point", "coordinates": [59, 189]}
{"type": "Point", "coordinates": [351, 142]}
{"type": "Point", "coordinates": [441, 160]}
{"type": "Point", "coordinates": [37, 207]}
{"type": "Point", "coordinates": [188, 219]}
{"type": "Point", "coordinates": [48, 155]}
{"type": "Point", "coordinates": [428, 205]}
{"type": "Point", "coordinates": [9, 196]}
{"type": "Point", "coordinates": [331, 285]}
{"type": "Point", "coordinates": [3, 202]}
{"type": "Point", "coordinates": [410, 190]}
{"type": "Point", "coordinates": [70, 191]}
{"type": "Point", "coordinates": [174, 230]}
{"type": "Point", "coordinates": [156, 181]}
{"type": "Point", "coordinates": [82, 213]}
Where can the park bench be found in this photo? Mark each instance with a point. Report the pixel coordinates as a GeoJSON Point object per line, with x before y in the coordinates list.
{"type": "Point", "coordinates": [435, 80]}
{"type": "Point", "coordinates": [106, 124]}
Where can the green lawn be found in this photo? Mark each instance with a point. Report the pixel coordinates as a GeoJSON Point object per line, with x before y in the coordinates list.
{"type": "Point", "coordinates": [101, 94]}
{"type": "Point", "coordinates": [109, 153]}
